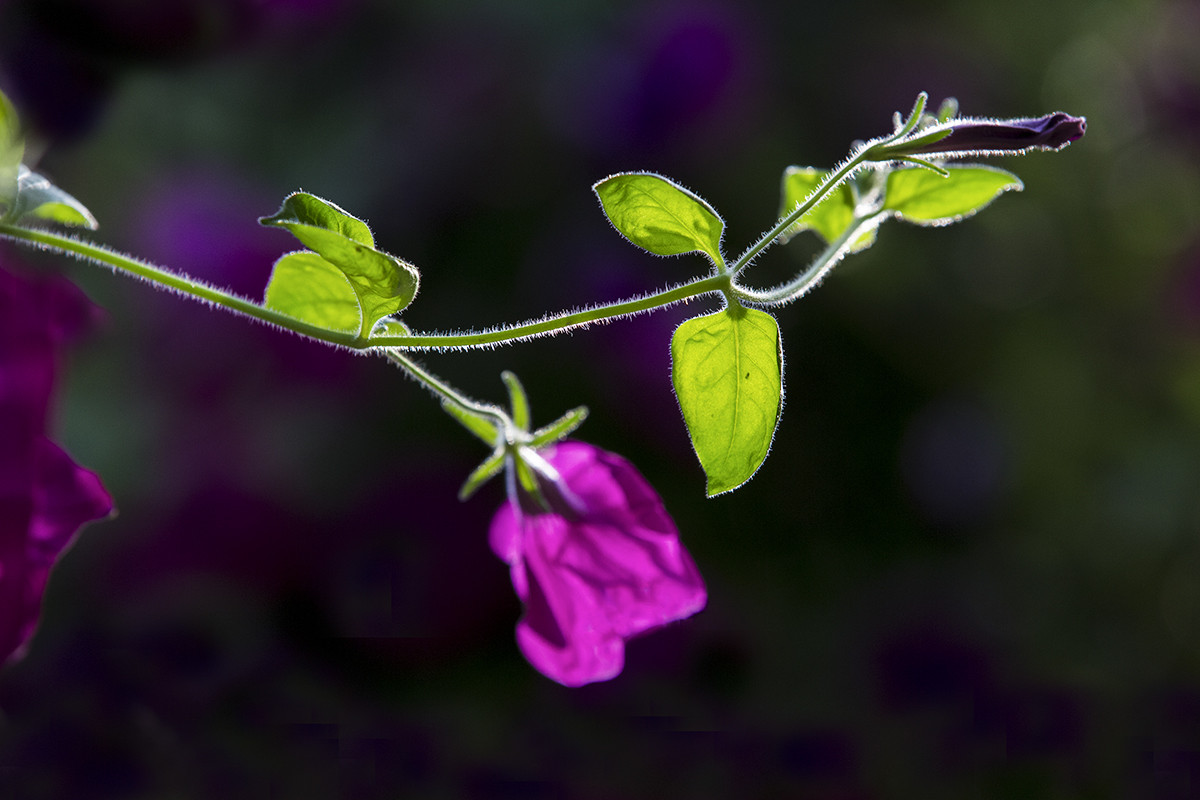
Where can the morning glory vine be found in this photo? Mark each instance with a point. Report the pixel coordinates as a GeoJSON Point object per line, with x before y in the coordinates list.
{"type": "Point", "coordinates": [592, 551]}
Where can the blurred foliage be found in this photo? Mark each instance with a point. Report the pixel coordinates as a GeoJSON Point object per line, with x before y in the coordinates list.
{"type": "Point", "coordinates": [970, 566]}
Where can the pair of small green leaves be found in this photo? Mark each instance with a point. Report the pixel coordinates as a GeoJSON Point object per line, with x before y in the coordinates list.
{"type": "Point", "coordinates": [342, 283]}
{"type": "Point", "coordinates": [912, 194]}
{"type": "Point", "coordinates": [491, 426]}
{"type": "Point", "coordinates": [726, 367]}
{"type": "Point", "coordinates": [25, 195]}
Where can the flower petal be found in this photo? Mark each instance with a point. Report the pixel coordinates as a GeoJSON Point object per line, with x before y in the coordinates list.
{"type": "Point", "coordinates": [44, 496]}
{"type": "Point", "coordinates": [593, 580]}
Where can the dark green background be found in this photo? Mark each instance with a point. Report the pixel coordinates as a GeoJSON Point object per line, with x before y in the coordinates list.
{"type": "Point", "coordinates": [970, 566]}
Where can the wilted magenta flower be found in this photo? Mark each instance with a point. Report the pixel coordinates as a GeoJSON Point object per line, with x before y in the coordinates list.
{"type": "Point", "coordinates": [597, 574]}
{"type": "Point", "coordinates": [973, 137]}
{"type": "Point", "coordinates": [44, 496]}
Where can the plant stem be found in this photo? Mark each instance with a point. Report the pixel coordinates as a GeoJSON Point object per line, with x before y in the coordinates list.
{"type": "Point", "coordinates": [175, 282]}
{"type": "Point", "coordinates": [558, 322]}
{"type": "Point", "coordinates": [447, 392]}
{"type": "Point", "coordinates": [723, 282]}
{"type": "Point", "coordinates": [232, 302]}
{"type": "Point", "coordinates": [802, 283]}
{"type": "Point", "coordinates": [830, 182]}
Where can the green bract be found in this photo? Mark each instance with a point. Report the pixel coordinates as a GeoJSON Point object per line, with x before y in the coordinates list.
{"type": "Point", "coordinates": [926, 198]}
{"type": "Point", "coordinates": [829, 218]}
{"type": "Point", "coordinates": [380, 284]}
{"type": "Point", "coordinates": [508, 434]}
{"type": "Point", "coordinates": [661, 216]}
{"type": "Point", "coordinates": [727, 371]}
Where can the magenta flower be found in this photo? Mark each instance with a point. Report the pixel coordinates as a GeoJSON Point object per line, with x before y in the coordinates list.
{"type": "Point", "coordinates": [606, 567]}
{"type": "Point", "coordinates": [44, 496]}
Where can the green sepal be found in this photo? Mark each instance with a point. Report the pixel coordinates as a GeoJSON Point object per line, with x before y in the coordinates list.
{"type": "Point", "coordinates": [926, 198]}
{"type": "Point", "coordinates": [527, 478]}
{"type": "Point", "coordinates": [382, 284]}
{"type": "Point", "coordinates": [492, 466]}
{"type": "Point", "coordinates": [561, 428]}
{"type": "Point", "coordinates": [661, 216]}
{"type": "Point", "coordinates": [480, 425]}
{"type": "Point", "coordinates": [38, 198]}
{"type": "Point", "coordinates": [517, 399]}
{"type": "Point", "coordinates": [727, 369]}
{"type": "Point", "coordinates": [898, 150]}
{"type": "Point", "coordinates": [830, 218]}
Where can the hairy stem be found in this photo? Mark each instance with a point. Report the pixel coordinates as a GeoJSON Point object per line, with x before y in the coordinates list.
{"type": "Point", "coordinates": [830, 182]}
{"type": "Point", "coordinates": [821, 265]}
{"type": "Point", "coordinates": [502, 335]}
{"type": "Point", "coordinates": [559, 322]}
{"type": "Point", "coordinates": [170, 280]}
{"type": "Point", "coordinates": [446, 392]}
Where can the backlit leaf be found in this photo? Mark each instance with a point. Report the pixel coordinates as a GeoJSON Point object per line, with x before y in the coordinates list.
{"type": "Point", "coordinates": [306, 286]}
{"type": "Point", "coordinates": [829, 218]}
{"type": "Point", "coordinates": [926, 198]}
{"type": "Point", "coordinates": [660, 216]}
{"type": "Point", "coordinates": [382, 283]}
{"type": "Point", "coordinates": [727, 372]}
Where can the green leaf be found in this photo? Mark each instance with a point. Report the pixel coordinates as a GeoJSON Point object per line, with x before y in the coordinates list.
{"type": "Point", "coordinates": [302, 212]}
{"type": "Point", "coordinates": [727, 372]}
{"type": "Point", "coordinates": [382, 283]}
{"type": "Point", "coordinates": [926, 198]}
{"type": "Point", "coordinates": [12, 150]}
{"type": "Point", "coordinates": [660, 216]}
{"type": "Point", "coordinates": [829, 218]}
{"type": "Point", "coordinates": [306, 286]}
{"type": "Point", "coordinates": [38, 197]}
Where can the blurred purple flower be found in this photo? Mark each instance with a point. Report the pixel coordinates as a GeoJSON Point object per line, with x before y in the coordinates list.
{"type": "Point", "coordinates": [607, 567]}
{"type": "Point", "coordinates": [973, 137]}
{"type": "Point", "coordinates": [44, 496]}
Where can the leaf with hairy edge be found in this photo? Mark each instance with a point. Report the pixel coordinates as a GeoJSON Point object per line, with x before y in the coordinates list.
{"type": "Point", "coordinates": [926, 198]}
{"type": "Point", "coordinates": [306, 214]}
{"type": "Point", "coordinates": [306, 286]}
{"type": "Point", "coordinates": [829, 218]}
{"type": "Point", "coordinates": [728, 377]}
{"type": "Point", "coordinates": [382, 283]}
{"type": "Point", "coordinates": [658, 215]}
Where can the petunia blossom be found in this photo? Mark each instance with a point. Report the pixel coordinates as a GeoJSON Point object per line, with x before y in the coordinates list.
{"type": "Point", "coordinates": [603, 567]}
{"type": "Point", "coordinates": [44, 496]}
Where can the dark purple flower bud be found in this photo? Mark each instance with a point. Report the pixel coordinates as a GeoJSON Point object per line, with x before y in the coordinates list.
{"type": "Point", "coordinates": [974, 137]}
{"type": "Point", "coordinates": [44, 496]}
{"type": "Point", "coordinates": [598, 573]}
